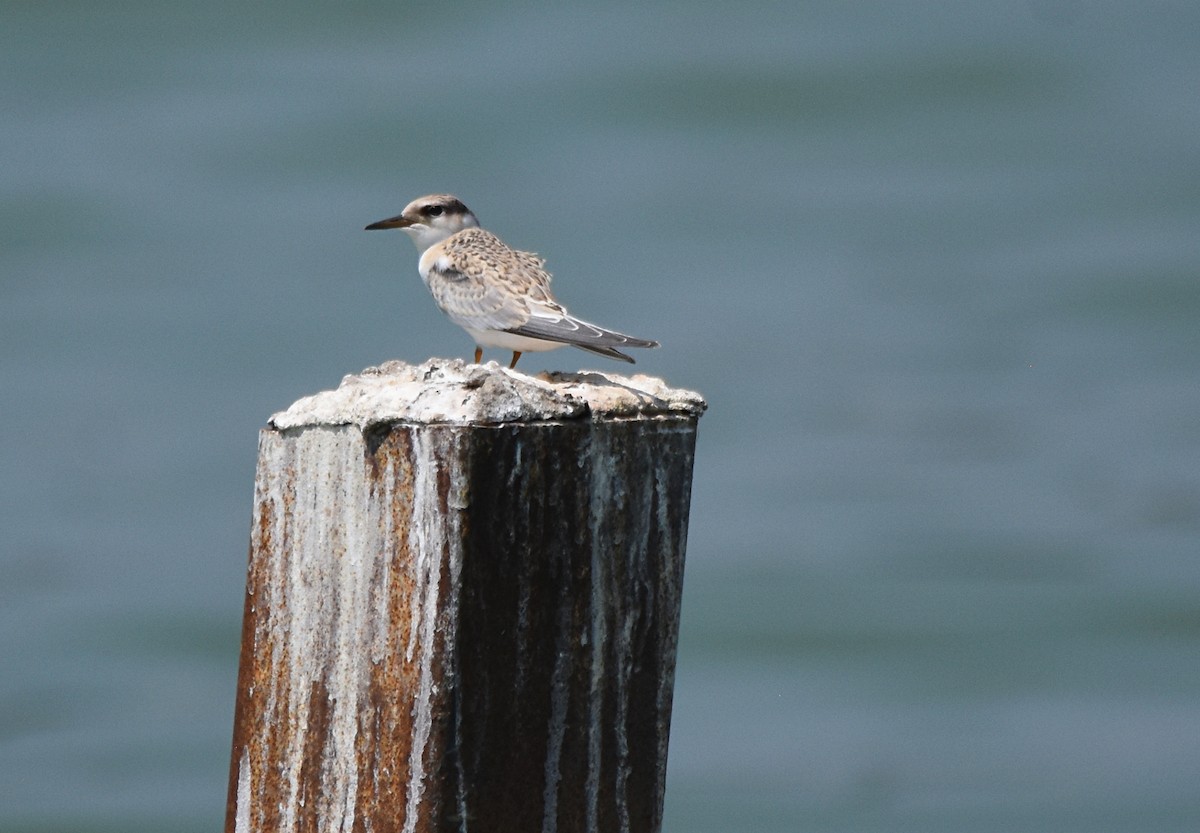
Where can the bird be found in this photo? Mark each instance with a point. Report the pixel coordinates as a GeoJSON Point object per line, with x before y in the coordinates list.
{"type": "Point", "coordinates": [499, 295]}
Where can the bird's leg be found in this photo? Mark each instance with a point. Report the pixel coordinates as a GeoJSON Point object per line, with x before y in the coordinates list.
{"type": "Point", "coordinates": [478, 355]}
{"type": "Point", "coordinates": [513, 363]}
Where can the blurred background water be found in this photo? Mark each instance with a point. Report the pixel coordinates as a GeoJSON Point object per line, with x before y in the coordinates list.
{"type": "Point", "coordinates": [934, 264]}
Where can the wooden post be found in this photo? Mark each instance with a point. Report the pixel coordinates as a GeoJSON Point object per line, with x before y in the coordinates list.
{"type": "Point", "coordinates": [462, 604]}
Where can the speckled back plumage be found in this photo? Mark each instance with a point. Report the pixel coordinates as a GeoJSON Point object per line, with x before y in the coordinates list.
{"type": "Point", "coordinates": [482, 283]}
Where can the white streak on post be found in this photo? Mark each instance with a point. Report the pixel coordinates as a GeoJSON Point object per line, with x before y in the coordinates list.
{"type": "Point", "coordinates": [242, 816]}
{"type": "Point", "coordinates": [351, 633]}
{"type": "Point", "coordinates": [424, 621]}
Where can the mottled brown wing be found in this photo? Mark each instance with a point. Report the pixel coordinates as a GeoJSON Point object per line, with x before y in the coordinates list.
{"type": "Point", "coordinates": [483, 284]}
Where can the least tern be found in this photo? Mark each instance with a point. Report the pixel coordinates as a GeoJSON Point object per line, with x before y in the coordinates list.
{"type": "Point", "coordinates": [499, 295]}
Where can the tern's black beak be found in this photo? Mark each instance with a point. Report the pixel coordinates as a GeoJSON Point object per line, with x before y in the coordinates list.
{"type": "Point", "coordinates": [399, 221]}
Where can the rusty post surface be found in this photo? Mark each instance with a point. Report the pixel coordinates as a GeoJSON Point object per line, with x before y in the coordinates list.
{"type": "Point", "coordinates": [462, 604]}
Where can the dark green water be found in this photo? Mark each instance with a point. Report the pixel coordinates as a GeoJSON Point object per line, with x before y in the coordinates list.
{"type": "Point", "coordinates": [935, 265]}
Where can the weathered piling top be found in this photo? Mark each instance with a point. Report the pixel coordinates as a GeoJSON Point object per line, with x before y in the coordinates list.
{"type": "Point", "coordinates": [453, 392]}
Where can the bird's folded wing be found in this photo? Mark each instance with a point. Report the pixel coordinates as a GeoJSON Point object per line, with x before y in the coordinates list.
{"type": "Point", "coordinates": [556, 325]}
{"type": "Point", "coordinates": [475, 301]}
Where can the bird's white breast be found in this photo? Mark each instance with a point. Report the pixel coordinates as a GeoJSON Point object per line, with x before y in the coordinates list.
{"type": "Point", "coordinates": [433, 260]}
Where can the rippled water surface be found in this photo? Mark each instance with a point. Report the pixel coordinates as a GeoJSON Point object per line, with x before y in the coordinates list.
{"type": "Point", "coordinates": [935, 265]}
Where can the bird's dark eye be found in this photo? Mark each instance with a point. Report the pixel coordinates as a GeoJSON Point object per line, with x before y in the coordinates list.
{"type": "Point", "coordinates": [434, 211]}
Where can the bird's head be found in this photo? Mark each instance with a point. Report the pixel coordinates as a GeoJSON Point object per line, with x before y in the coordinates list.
{"type": "Point", "coordinates": [429, 220]}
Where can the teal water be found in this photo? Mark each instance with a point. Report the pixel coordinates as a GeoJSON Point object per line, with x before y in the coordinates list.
{"type": "Point", "coordinates": [935, 265]}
